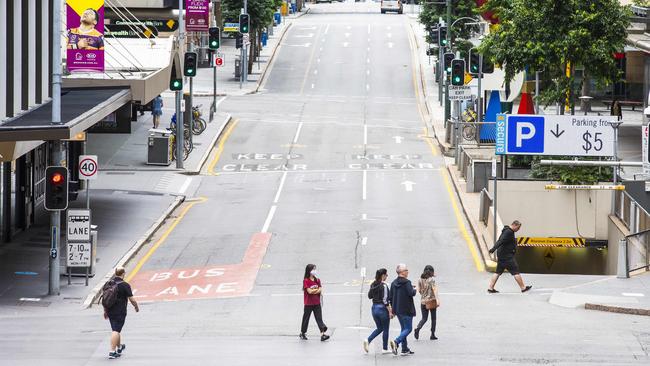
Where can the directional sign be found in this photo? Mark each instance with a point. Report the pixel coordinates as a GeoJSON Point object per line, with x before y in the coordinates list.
{"type": "Point", "coordinates": [231, 27]}
{"type": "Point", "coordinates": [217, 60]}
{"type": "Point", "coordinates": [78, 255]}
{"type": "Point", "coordinates": [78, 225]}
{"type": "Point", "coordinates": [460, 92]}
{"type": "Point", "coordinates": [555, 135]}
{"type": "Point", "coordinates": [88, 167]}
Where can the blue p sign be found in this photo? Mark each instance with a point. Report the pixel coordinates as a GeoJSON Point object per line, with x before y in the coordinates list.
{"type": "Point", "coordinates": [525, 134]}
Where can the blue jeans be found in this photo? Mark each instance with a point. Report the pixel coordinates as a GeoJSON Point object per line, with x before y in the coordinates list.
{"type": "Point", "coordinates": [380, 315]}
{"type": "Point", "coordinates": [406, 322]}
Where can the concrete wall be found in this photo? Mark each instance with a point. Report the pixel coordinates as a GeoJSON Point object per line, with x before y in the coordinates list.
{"type": "Point", "coordinates": [552, 213]}
{"type": "Point", "coordinates": [617, 231]}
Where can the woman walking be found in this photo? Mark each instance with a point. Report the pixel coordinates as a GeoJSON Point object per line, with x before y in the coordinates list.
{"type": "Point", "coordinates": [429, 300]}
{"type": "Point", "coordinates": [156, 110]}
{"type": "Point", "coordinates": [381, 309]}
{"type": "Point", "coordinates": [312, 290]}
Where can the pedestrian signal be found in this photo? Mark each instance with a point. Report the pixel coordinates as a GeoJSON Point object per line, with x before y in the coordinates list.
{"type": "Point", "coordinates": [458, 72]}
{"type": "Point", "coordinates": [244, 23]}
{"type": "Point", "coordinates": [442, 37]}
{"type": "Point", "coordinates": [189, 66]}
{"type": "Point", "coordinates": [447, 58]}
{"type": "Point", "coordinates": [214, 35]}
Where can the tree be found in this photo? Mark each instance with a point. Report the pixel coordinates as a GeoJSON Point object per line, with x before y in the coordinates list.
{"type": "Point", "coordinates": [556, 36]}
{"type": "Point", "coordinates": [431, 14]}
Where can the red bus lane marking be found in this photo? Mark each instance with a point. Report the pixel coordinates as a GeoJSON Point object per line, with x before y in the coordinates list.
{"type": "Point", "coordinates": [230, 280]}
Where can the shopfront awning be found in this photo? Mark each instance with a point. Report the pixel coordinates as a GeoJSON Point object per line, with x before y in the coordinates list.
{"type": "Point", "coordinates": [80, 109]}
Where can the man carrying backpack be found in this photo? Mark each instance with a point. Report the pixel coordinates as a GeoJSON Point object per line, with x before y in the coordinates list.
{"type": "Point", "coordinates": [115, 294]}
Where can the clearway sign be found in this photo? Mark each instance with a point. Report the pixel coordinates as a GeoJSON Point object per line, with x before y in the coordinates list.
{"type": "Point", "coordinates": [555, 135]}
{"type": "Point", "coordinates": [460, 92]}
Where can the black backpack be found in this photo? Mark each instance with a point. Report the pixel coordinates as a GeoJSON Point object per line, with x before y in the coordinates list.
{"type": "Point", "coordinates": [109, 293]}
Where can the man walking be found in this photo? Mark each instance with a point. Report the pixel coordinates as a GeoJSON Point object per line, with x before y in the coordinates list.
{"type": "Point", "coordinates": [402, 292]}
{"type": "Point", "coordinates": [506, 247]}
{"type": "Point", "coordinates": [116, 292]}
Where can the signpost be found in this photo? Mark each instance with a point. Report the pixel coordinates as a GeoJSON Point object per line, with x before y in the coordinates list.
{"type": "Point", "coordinates": [231, 27]}
{"type": "Point", "coordinates": [88, 168]}
{"type": "Point", "coordinates": [78, 241]}
{"type": "Point", "coordinates": [644, 150]}
{"type": "Point", "coordinates": [555, 135]}
{"type": "Point", "coordinates": [217, 60]}
{"type": "Point", "coordinates": [197, 15]}
{"type": "Point", "coordinates": [459, 92]}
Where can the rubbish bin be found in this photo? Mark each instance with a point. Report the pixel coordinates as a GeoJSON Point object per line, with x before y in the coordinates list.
{"type": "Point", "coordinates": [277, 18]}
{"type": "Point", "coordinates": [159, 150]}
{"type": "Point", "coordinates": [265, 38]}
{"type": "Point", "coordinates": [237, 68]}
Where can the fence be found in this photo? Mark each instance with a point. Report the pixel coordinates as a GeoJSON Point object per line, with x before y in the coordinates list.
{"type": "Point", "coordinates": [485, 202]}
{"type": "Point", "coordinates": [637, 220]}
{"type": "Point", "coordinates": [471, 133]}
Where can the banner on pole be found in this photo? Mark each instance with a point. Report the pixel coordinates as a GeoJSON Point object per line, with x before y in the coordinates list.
{"type": "Point", "coordinates": [85, 25]}
{"type": "Point", "coordinates": [197, 15]}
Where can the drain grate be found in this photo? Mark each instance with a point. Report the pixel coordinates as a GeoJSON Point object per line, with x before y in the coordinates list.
{"type": "Point", "coordinates": [41, 304]}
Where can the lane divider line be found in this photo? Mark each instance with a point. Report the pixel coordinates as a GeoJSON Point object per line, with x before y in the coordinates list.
{"type": "Point", "coordinates": [364, 194]}
{"type": "Point", "coordinates": [162, 239]}
{"type": "Point", "coordinates": [295, 137]}
{"type": "Point", "coordinates": [277, 194]}
{"type": "Point", "coordinates": [364, 241]}
{"type": "Point", "coordinates": [269, 217]}
{"type": "Point", "coordinates": [222, 142]}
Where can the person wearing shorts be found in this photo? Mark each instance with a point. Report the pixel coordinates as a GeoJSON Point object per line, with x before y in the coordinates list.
{"type": "Point", "coordinates": [116, 314]}
{"type": "Point", "coordinates": [506, 247]}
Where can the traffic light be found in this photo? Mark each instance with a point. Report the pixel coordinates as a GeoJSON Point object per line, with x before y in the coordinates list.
{"type": "Point", "coordinates": [175, 83]}
{"type": "Point", "coordinates": [244, 23]}
{"type": "Point", "coordinates": [458, 72]}
{"type": "Point", "coordinates": [214, 38]}
{"type": "Point", "coordinates": [447, 58]}
{"type": "Point", "coordinates": [56, 188]}
{"type": "Point", "coordinates": [239, 40]}
{"type": "Point", "coordinates": [442, 36]}
{"type": "Point", "coordinates": [488, 67]}
{"type": "Point", "coordinates": [474, 62]}
{"type": "Point", "coordinates": [433, 34]}
{"type": "Point", "coordinates": [189, 66]}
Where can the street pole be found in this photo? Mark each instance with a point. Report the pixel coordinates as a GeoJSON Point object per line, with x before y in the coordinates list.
{"type": "Point", "coordinates": [191, 98]}
{"type": "Point", "coordinates": [479, 113]}
{"type": "Point", "coordinates": [616, 168]}
{"type": "Point", "coordinates": [449, 37]}
{"type": "Point", "coordinates": [56, 155]}
{"type": "Point", "coordinates": [441, 72]}
{"type": "Point", "coordinates": [245, 46]}
{"type": "Point", "coordinates": [495, 175]}
{"type": "Point", "coordinates": [536, 92]}
{"type": "Point", "coordinates": [179, 113]}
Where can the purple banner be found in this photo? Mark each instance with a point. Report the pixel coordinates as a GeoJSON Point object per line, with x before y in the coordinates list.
{"type": "Point", "coordinates": [197, 15]}
{"type": "Point", "coordinates": [85, 24]}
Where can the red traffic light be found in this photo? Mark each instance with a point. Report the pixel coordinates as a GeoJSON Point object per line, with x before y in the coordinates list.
{"type": "Point", "coordinates": [57, 178]}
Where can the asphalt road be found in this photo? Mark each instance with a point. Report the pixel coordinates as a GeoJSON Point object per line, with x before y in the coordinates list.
{"type": "Point", "coordinates": [331, 163]}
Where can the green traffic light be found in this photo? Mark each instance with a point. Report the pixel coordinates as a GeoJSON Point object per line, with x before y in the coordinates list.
{"type": "Point", "coordinates": [177, 83]}
{"type": "Point", "coordinates": [190, 71]}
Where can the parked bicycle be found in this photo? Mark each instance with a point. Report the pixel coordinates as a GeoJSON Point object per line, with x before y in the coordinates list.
{"type": "Point", "coordinates": [188, 146]}
{"type": "Point", "coordinates": [199, 124]}
{"type": "Point", "coordinates": [469, 121]}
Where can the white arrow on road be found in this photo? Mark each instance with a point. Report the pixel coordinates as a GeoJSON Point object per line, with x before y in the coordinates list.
{"type": "Point", "coordinates": [345, 44]}
{"type": "Point", "coordinates": [398, 139]}
{"type": "Point", "coordinates": [408, 185]}
{"type": "Point", "coordinates": [347, 35]}
{"type": "Point", "coordinates": [390, 44]}
{"type": "Point", "coordinates": [304, 35]}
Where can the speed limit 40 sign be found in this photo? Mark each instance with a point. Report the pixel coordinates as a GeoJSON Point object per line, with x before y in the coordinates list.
{"type": "Point", "coordinates": [88, 167]}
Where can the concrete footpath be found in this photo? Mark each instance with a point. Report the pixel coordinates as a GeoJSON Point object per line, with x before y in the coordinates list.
{"type": "Point", "coordinates": [130, 200]}
{"type": "Point", "coordinates": [603, 293]}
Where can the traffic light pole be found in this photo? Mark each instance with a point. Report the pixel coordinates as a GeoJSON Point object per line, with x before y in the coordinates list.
{"type": "Point", "coordinates": [480, 91]}
{"type": "Point", "coordinates": [189, 109]}
{"type": "Point", "coordinates": [244, 48]}
{"type": "Point", "coordinates": [449, 37]}
{"type": "Point", "coordinates": [179, 113]}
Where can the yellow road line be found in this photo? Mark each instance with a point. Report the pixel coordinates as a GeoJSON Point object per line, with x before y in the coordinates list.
{"type": "Point", "coordinates": [222, 142]}
{"type": "Point", "coordinates": [461, 224]}
{"type": "Point", "coordinates": [162, 239]}
{"type": "Point", "coordinates": [427, 138]}
{"type": "Point", "coordinates": [418, 98]}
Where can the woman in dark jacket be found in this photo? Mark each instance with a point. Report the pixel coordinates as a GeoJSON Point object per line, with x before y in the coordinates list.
{"type": "Point", "coordinates": [381, 309]}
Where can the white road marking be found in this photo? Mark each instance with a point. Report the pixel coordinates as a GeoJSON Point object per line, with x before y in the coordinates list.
{"type": "Point", "coordinates": [295, 137]}
{"type": "Point", "coordinates": [633, 294]}
{"type": "Point", "coordinates": [357, 294]}
{"type": "Point", "coordinates": [390, 44]}
{"type": "Point", "coordinates": [345, 44]}
{"type": "Point", "coordinates": [307, 45]}
{"type": "Point", "coordinates": [348, 27]}
{"type": "Point", "coordinates": [398, 139]}
{"type": "Point", "coordinates": [315, 72]}
{"type": "Point", "coordinates": [365, 134]}
{"type": "Point", "coordinates": [312, 86]}
{"type": "Point", "coordinates": [365, 182]}
{"type": "Point", "coordinates": [389, 35]}
{"type": "Point", "coordinates": [367, 72]}
{"type": "Point", "coordinates": [408, 185]}
{"type": "Point", "coordinates": [31, 299]}
{"type": "Point", "coordinates": [368, 49]}
{"type": "Point", "coordinates": [310, 35]}
{"type": "Point", "coordinates": [367, 87]}
{"type": "Point", "coordinates": [364, 240]}
{"type": "Point", "coordinates": [363, 272]}
{"type": "Point", "coordinates": [368, 60]}
{"type": "Point", "coordinates": [321, 49]}
{"type": "Point", "coordinates": [277, 194]}
{"type": "Point", "coordinates": [368, 28]}
{"type": "Point", "coordinates": [347, 35]}
{"type": "Point", "coordinates": [318, 61]}
{"type": "Point", "coordinates": [185, 185]}
{"type": "Point", "coordinates": [388, 27]}
{"type": "Point", "coordinates": [327, 28]}
{"type": "Point", "coordinates": [220, 100]}
{"type": "Point", "coordinates": [269, 217]}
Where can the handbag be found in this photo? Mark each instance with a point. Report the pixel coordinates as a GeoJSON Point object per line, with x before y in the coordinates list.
{"type": "Point", "coordinates": [431, 304]}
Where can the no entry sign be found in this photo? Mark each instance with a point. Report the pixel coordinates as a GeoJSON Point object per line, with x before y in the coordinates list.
{"type": "Point", "coordinates": [88, 167]}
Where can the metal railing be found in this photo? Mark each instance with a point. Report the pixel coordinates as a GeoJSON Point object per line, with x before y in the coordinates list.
{"type": "Point", "coordinates": [637, 244]}
{"type": "Point", "coordinates": [485, 202]}
{"type": "Point", "coordinates": [470, 133]}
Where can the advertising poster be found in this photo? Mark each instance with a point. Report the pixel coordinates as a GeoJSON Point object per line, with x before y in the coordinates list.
{"type": "Point", "coordinates": [85, 32]}
{"type": "Point", "coordinates": [197, 15]}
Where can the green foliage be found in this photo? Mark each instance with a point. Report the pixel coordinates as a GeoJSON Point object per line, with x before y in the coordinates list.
{"type": "Point", "coordinates": [520, 161]}
{"type": "Point", "coordinates": [431, 14]}
{"type": "Point", "coordinates": [644, 3]}
{"type": "Point", "coordinates": [260, 11]}
{"type": "Point", "coordinates": [548, 35]}
{"type": "Point", "coordinates": [570, 174]}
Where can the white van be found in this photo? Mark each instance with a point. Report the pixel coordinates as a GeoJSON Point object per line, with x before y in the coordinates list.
{"type": "Point", "coordinates": [391, 5]}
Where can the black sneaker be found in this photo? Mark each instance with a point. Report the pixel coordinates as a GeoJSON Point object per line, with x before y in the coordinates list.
{"type": "Point", "coordinates": [493, 291]}
{"type": "Point", "coordinates": [416, 334]}
{"type": "Point", "coordinates": [433, 337]}
{"type": "Point", "coordinates": [113, 355]}
{"type": "Point", "coordinates": [408, 352]}
{"type": "Point", "coordinates": [527, 288]}
{"type": "Point", "coordinates": [324, 337]}
{"type": "Point", "coordinates": [121, 348]}
{"type": "Point", "coordinates": [302, 336]}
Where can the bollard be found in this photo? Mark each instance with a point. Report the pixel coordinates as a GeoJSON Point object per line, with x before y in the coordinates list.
{"type": "Point", "coordinates": [621, 269]}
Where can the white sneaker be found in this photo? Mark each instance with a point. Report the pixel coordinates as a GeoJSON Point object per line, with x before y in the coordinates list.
{"type": "Point", "coordinates": [365, 345]}
{"type": "Point", "coordinates": [386, 351]}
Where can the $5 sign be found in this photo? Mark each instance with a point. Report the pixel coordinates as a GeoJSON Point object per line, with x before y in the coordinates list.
{"type": "Point", "coordinates": [597, 144]}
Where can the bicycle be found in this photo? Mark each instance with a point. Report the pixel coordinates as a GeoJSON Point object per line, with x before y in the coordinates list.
{"type": "Point", "coordinates": [188, 146]}
{"type": "Point", "coordinates": [469, 128]}
{"type": "Point", "coordinates": [199, 124]}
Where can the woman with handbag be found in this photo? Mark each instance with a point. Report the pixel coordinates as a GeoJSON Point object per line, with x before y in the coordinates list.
{"type": "Point", "coordinates": [429, 300]}
{"type": "Point", "coordinates": [382, 312]}
{"type": "Point", "coordinates": [313, 291]}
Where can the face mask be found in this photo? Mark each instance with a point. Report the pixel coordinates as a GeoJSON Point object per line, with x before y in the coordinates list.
{"type": "Point", "coordinates": [313, 273]}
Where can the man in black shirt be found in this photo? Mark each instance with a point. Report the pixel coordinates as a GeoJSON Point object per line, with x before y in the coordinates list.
{"type": "Point", "coordinates": [116, 314]}
{"type": "Point", "coordinates": [506, 247]}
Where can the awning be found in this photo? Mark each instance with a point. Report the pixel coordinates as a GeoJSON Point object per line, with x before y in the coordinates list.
{"type": "Point", "coordinates": [80, 110]}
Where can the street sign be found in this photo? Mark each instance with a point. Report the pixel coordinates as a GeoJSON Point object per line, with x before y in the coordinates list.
{"type": "Point", "coordinates": [231, 27]}
{"type": "Point", "coordinates": [88, 167]}
{"type": "Point", "coordinates": [460, 92]}
{"type": "Point", "coordinates": [78, 225]}
{"type": "Point", "coordinates": [78, 255]}
{"type": "Point", "coordinates": [644, 150]}
{"type": "Point", "coordinates": [555, 135]}
{"type": "Point", "coordinates": [217, 60]}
